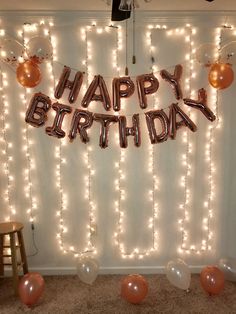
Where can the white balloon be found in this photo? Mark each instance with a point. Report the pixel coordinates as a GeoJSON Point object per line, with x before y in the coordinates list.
{"type": "Point", "coordinates": [39, 49]}
{"type": "Point", "coordinates": [207, 54]}
{"type": "Point", "coordinates": [11, 51]}
{"type": "Point", "coordinates": [178, 274]}
{"type": "Point", "coordinates": [228, 53]}
{"type": "Point", "coordinates": [228, 266]}
{"type": "Point", "coordinates": [87, 269]}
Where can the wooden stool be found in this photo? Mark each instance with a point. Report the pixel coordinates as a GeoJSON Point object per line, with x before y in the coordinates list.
{"type": "Point", "coordinates": [12, 229]}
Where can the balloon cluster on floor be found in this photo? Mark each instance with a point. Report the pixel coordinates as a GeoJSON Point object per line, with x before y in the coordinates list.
{"type": "Point", "coordinates": [26, 59]}
{"type": "Point", "coordinates": [220, 61]}
{"type": "Point", "coordinates": [134, 288]}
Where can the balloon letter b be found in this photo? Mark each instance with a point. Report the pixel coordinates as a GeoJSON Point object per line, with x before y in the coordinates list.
{"type": "Point", "coordinates": [36, 114]}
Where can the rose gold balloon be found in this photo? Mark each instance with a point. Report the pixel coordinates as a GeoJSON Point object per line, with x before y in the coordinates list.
{"type": "Point", "coordinates": [134, 288]}
{"type": "Point", "coordinates": [221, 75]}
{"type": "Point", "coordinates": [212, 280]}
{"type": "Point", "coordinates": [31, 287]}
{"type": "Point", "coordinates": [28, 74]}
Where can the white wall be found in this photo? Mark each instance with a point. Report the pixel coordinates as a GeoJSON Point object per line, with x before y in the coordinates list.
{"type": "Point", "coordinates": [169, 51]}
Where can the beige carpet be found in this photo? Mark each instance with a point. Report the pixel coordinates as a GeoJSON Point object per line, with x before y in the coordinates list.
{"type": "Point", "coordinates": [66, 294]}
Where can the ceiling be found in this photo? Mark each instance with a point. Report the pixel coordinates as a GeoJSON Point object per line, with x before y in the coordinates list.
{"type": "Point", "coordinates": [93, 5]}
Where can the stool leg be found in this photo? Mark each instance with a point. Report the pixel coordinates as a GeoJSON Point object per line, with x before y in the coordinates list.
{"type": "Point", "coordinates": [14, 263]}
{"type": "Point", "coordinates": [1, 255]}
{"type": "Point", "coordinates": [22, 251]}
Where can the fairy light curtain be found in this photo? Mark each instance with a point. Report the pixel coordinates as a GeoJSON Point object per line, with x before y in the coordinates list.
{"type": "Point", "coordinates": [145, 199]}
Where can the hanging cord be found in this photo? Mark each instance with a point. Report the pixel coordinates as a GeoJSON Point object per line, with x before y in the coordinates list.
{"type": "Point", "coordinates": [126, 48]}
{"type": "Point", "coordinates": [134, 39]}
{"type": "Point", "coordinates": [36, 250]}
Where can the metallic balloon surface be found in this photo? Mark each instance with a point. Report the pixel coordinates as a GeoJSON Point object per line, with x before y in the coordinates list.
{"type": "Point", "coordinates": [134, 288]}
{"type": "Point", "coordinates": [175, 125]}
{"type": "Point", "coordinates": [31, 287]}
{"type": "Point", "coordinates": [105, 121]}
{"type": "Point", "coordinates": [87, 269]}
{"type": "Point", "coordinates": [178, 274]}
{"type": "Point", "coordinates": [125, 131]}
{"type": "Point", "coordinates": [81, 121]}
{"type": "Point", "coordinates": [206, 54]}
{"type": "Point", "coordinates": [39, 49]}
{"type": "Point", "coordinates": [56, 129]}
{"type": "Point", "coordinates": [143, 90]}
{"type": "Point", "coordinates": [228, 266]}
{"type": "Point", "coordinates": [64, 82]}
{"type": "Point", "coordinates": [221, 75]}
{"type": "Point", "coordinates": [174, 80]}
{"type": "Point", "coordinates": [36, 114]}
{"type": "Point", "coordinates": [151, 116]}
{"type": "Point", "coordinates": [212, 280]}
{"type": "Point", "coordinates": [122, 87]}
{"type": "Point", "coordinates": [28, 74]}
{"type": "Point", "coordinates": [201, 104]}
{"type": "Point", "coordinates": [11, 51]}
{"type": "Point", "coordinates": [91, 95]}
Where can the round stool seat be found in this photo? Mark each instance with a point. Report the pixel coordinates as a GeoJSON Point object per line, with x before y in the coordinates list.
{"type": "Point", "coordinates": [10, 227]}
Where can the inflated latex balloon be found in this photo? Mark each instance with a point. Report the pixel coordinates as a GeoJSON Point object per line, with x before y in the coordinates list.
{"type": "Point", "coordinates": [178, 274]}
{"type": "Point", "coordinates": [39, 49]}
{"type": "Point", "coordinates": [87, 269]}
{"type": "Point", "coordinates": [221, 75]}
{"type": "Point", "coordinates": [28, 74]}
{"type": "Point", "coordinates": [11, 51]}
{"type": "Point", "coordinates": [134, 288]}
{"type": "Point", "coordinates": [228, 53]}
{"type": "Point", "coordinates": [206, 54]}
{"type": "Point", "coordinates": [228, 266]}
{"type": "Point", "coordinates": [212, 280]}
{"type": "Point", "coordinates": [31, 288]}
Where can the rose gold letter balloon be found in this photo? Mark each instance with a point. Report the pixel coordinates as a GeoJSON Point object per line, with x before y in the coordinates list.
{"type": "Point", "coordinates": [212, 280]}
{"type": "Point", "coordinates": [56, 129]}
{"type": "Point", "coordinates": [221, 75]}
{"type": "Point", "coordinates": [36, 114]}
{"type": "Point", "coordinates": [134, 288]}
{"type": "Point", "coordinates": [175, 125]}
{"type": "Point", "coordinates": [30, 289]}
{"type": "Point", "coordinates": [201, 104]}
{"type": "Point", "coordinates": [81, 121]}
{"type": "Point", "coordinates": [28, 74]}
{"type": "Point", "coordinates": [174, 80]}
{"type": "Point", "coordinates": [144, 90]}
{"type": "Point", "coordinates": [122, 87]}
{"type": "Point", "coordinates": [105, 120]}
{"type": "Point", "coordinates": [125, 131]}
{"type": "Point", "coordinates": [74, 86]}
{"type": "Point", "coordinates": [91, 95]}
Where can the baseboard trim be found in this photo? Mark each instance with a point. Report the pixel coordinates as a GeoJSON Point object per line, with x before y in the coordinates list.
{"type": "Point", "coordinates": [57, 271]}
